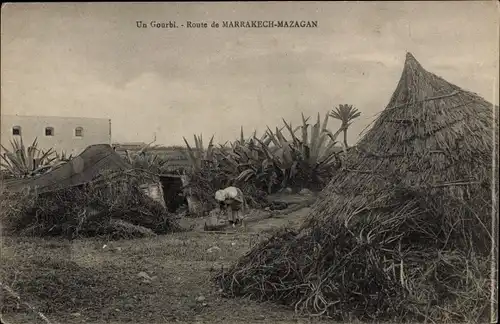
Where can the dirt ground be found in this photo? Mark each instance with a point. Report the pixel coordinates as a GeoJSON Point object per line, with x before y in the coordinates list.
{"type": "Point", "coordinates": [166, 279]}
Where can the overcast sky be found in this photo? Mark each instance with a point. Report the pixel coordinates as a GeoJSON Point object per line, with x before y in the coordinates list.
{"type": "Point", "coordinates": [91, 60]}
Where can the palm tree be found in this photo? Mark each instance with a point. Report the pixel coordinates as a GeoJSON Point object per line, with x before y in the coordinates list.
{"type": "Point", "coordinates": [346, 114]}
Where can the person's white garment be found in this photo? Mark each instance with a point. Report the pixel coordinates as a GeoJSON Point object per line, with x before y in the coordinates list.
{"type": "Point", "coordinates": [229, 193]}
{"type": "Point", "coordinates": [233, 198]}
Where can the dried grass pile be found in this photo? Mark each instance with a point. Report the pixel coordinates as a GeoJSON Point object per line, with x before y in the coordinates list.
{"type": "Point", "coordinates": [111, 205]}
{"type": "Point", "coordinates": [403, 232]}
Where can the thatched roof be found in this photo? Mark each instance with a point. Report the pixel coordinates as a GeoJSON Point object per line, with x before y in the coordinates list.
{"type": "Point", "coordinates": [432, 137]}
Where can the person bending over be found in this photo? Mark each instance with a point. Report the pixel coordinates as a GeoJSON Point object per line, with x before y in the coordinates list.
{"type": "Point", "coordinates": [232, 200]}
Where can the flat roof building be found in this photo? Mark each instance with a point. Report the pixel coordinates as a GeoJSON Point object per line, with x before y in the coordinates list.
{"type": "Point", "coordinates": [69, 134]}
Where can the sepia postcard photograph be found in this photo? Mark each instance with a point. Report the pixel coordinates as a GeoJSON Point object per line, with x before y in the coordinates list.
{"type": "Point", "coordinates": [249, 162]}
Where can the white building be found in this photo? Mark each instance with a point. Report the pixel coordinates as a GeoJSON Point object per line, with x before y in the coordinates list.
{"type": "Point", "coordinates": [69, 134]}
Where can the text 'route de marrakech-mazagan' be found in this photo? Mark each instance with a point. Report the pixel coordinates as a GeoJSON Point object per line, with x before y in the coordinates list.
{"type": "Point", "coordinates": [270, 24]}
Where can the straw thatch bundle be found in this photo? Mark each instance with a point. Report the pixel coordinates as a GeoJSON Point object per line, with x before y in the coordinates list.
{"type": "Point", "coordinates": [403, 231]}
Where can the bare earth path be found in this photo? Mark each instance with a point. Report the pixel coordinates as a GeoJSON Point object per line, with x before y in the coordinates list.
{"type": "Point", "coordinates": [166, 279]}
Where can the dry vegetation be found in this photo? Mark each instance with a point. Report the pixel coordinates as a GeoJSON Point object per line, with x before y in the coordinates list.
{"type": "Point", "coordinates": [111, 205]}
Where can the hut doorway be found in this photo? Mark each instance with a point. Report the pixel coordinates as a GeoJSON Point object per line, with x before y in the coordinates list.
{"type": "Point", "coordinates": [172, 192]}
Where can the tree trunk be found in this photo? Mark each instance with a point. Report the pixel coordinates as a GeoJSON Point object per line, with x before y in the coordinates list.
{"type": "Point", "coordinates": [345, 141]}
{"type": "Point", "coordinates": [345, 138]}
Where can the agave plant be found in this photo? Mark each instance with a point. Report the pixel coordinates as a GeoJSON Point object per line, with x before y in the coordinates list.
{"type": "Point", "coordinates": [346, 114]}
{"type": "Point", "coordinates": [63, 156]}
{"type": "Point", "coordinates": [247, 140]}
{"type": "Point", "coordinates": [306, 155]}
{"type": "Point", "coordinates": [248, 162]}
{"type": "Point", "coordinates": [319, 148]}
{"type": "Point", "coordinates": [198, 156]}
{"type": "Point", "coordinates": [146, 160]}
{"type": "Point", "coordinates": [203, 176]}
{"type": "Point", "coordinates": [22, 161]}
{"type": "Point", "coordinates": [275, 160]}
{"type": "Point", "coordinates": [313, 151]}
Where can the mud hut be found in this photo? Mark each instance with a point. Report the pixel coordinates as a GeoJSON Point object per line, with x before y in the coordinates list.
{"type": "Point", "coordinates": [402, 232]}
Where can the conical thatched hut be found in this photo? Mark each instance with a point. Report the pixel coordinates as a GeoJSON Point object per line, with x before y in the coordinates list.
{"type": "Point", "coordinates": [403, 231]}
{"type": "Point", "coordinates": [433, 139]}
